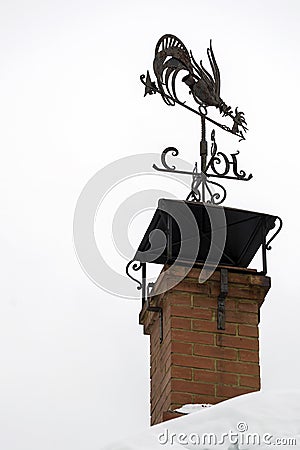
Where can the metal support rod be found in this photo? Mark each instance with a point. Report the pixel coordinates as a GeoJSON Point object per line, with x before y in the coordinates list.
{"type": "Point", "coordinates": [222, 298]}
{"type": "Point", "coordinates": [203, 145]}
{"type": "Point", "coordinates": [155, 309]}
{"type": "Point", "coordinates": [264, 249]}
{"type": "Point", "coordinates": [144, 284]}
{"type": "Point", "coordinates": [203, 197]}
{"type": "Point", "coordinates": [266, 244]}
{"type": "Point", "coordinates": [169, 237]}
{"type": "Point", "coordinates": [203, 153]}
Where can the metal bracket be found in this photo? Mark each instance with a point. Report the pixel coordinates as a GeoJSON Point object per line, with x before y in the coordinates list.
{"type": "Point", "coordinates": [156, 309]}
{"type": "Point", "coordinates": [222, 298]}
{"type": "Point", "coordinates": [266, 244]}
{"type": "Point", "coordinates": [145, 288]}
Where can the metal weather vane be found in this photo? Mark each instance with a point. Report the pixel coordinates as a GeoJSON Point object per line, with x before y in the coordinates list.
{"type": "Point", "coordinates": [248, 230]}
{"type": "Point", "coordinates": [171, 59]}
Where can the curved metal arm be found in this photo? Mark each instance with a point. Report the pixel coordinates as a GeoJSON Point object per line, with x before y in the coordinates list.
{"type": "Point", "coordinates": [216, 198]}
{"type": "Point", "coordinates": [268, 247]}
{"type": "Point", "coordinates": [163, 156]}
{"type": "Point", "coordinates": [136, 266]}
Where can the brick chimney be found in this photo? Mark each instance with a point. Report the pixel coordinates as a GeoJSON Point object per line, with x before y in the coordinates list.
{"type": "Point", "coordinates": [195, 362]}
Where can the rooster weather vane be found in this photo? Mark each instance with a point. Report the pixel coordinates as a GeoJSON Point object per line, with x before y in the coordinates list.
{"type": "Point", "coordinates": [171, 59]}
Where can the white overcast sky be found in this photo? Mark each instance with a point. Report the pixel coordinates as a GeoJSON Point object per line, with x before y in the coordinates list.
{"type": "Point", "coordinates": [73, 357]}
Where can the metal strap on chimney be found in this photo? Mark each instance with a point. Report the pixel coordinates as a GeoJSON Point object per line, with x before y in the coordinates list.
{"type": "Point", "coordinates": [145, 288]}
{"type": "Point", "coordinates": [222, 298]}
{"type": "Point", "coordinates": [146, 299]}
{"type": "Point", "coordinates": [157, 309]}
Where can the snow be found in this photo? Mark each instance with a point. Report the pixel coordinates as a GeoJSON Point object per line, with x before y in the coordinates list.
{"type": "Point", "coordinates": [191, 408]}
{"type": "Point", "coordinates": [265, 416]}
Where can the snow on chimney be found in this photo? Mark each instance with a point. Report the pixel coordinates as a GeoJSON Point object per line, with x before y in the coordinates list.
{"type": "Point", "coordinates": [195, 362]}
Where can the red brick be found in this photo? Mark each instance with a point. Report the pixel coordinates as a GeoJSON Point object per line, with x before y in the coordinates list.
{"type": "Point", "coordinates": [161, 405]}
{"type": "Point", "coordinates": [204, 301]}
{"type": "Point", "coordinates": [179, 298]}
{"type": "Point", "coordinates": [247, 355]}
{"type": "Point", "coordinates": [195, 273]}
{"type": "Point", "coordinates": [232, 391]}
{"type": "Point", "coordinates": [206, 325]}
{"type": "Point", "coordinates": [195, 313]}
{"type": "Point", "coordinates": [181, 372]}
{"type": "Point", "coordinates": [182, 348]}
{"type": "Point", "coordinates": [248, 330]}
{"type": "Point", "coordinates": [158, 401]}
{"type": "Point", "coordinates": [154, 339]}
{"type": "Point", "coordinates": [237, 342]}
{"type": "Point", "coordinates": [192, 387]}
{"type": "Point", "coordinates": [167, 283]}
{"type": "Point", "coordinates": [157, 377]}
{"type": "Point", "coordinates": [164, 357]}
{"type": "Point", "coordinates": [163, 352]}
{"type": "Point", "coordinates": [159, 398]}
{"type": "Point", "coordinates": [248, 307]}
{"type": "Point", "coordinates": [215, 352]}
{"type": "Point", "coordinates": [193, 336]}
{"type": "Point", "coordinates": [239, 278]}
{"type": "Point", "coordinates": [212, 300]}
{"type": "Point", "coordinates": [250, 381]}
{"type": "Point", "coordinates": [193, 361]}
{"type": "Point", "coordinates": [159, 384]}
{"type": "Point", "coordinates": [182, 398]}
{"type": "Point", "coordinates": [197, 363]}
{"type": "Point", "coordinates": [177, 270]}
{"type": "Point", "coordinates": [249, 293]}
{"type": "Point", "coordinates": [239, 291]}
{"type": "Point", "coordinates": [192, 286]}
{"type": "Point", "coordinates": [242, 317]}
{"type": "Point", "coordinates": [164, 362]}
{"type": "Point", "coordinates": [238, 367]}
{"type": "Point", "coordinates": [181, 322]}
{"type": "Point", "coordinates": [206, 376]}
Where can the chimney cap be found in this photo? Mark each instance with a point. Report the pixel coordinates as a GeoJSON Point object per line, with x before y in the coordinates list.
{"type": "Point", "coordinates": [245, 231]}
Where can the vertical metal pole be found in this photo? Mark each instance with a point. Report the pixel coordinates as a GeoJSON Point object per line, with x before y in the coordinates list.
{"type": "Point", "coordinates": [144, 284]}
{"type": "Point", "coordinates": [203, 152]}
{"type": "Point", "coordinates": [264, 248]}
{"type": "Point", "coordinates": [203, 192]}
{"type": "Point", "coordinates": [169, 237]}
{"type": "Point", "coordinates": [203, 145]}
